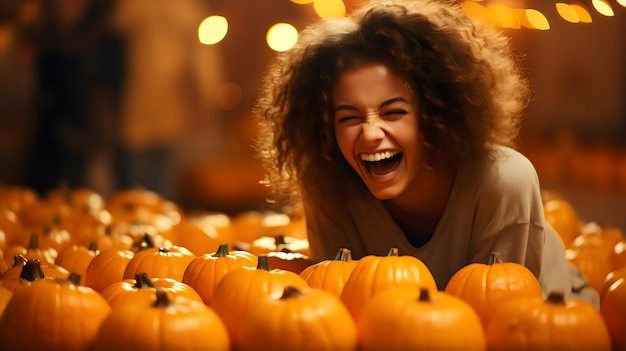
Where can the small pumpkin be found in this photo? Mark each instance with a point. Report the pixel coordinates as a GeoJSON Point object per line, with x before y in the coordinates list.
{"type": "Point", "coordinates": [374, 274]}
{"type": "Point", "coordinates": [106, 268]}
{"type": "Point", "coordinates": [563, 217]}
{"type": "Point", "coordinates": [25, 271]}
{"type": "Point", "coordinates": [166, 324]}
{"type": "Point", "coordinates": [244, 287]}
{"type": "Point", "coordinates": [487, 286]}
{"type": "Point", "coordinates": [298, 319]}
{"type": "Point", "coordinates": [76, 259]}
{"type": "Point", "coordinates": [613, 307]}
{"type": "Point", "coordinates": [331, 275]}
{"type": "Point", "coordinates": [140, 290]}
{"type": "Point", "coordinates": [51, 314]}
{"type": "Point", "coordinates": [200, 238]}
{"type": "Point", "coordinates": [204, 272]}
{"type": "Point", "coordinates": [403, 318]}
{"type": "Point", "coordinates": [33, 250]}
{"type": "Point", "coordinates": [553, 323]}
{"type": "Point", "coordinates": [160, 262]}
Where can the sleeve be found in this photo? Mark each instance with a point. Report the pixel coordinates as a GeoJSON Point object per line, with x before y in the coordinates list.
{"type": "Point", "coordinates": [508, 214]}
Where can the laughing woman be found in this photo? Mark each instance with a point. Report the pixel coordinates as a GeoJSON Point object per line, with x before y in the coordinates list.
{"type": "Point", "coordinates": [396, 127]}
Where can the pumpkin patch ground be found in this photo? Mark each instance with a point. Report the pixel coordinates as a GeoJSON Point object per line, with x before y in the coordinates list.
{"type": "Point", "coordinates": [136, 271]}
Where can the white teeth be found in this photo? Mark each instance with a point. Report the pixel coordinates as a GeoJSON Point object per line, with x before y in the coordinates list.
{"type": "Point", "coordinates": [378, 156]}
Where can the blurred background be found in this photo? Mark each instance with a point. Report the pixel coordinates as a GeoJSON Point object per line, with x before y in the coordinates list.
{"type": "Point", "coordinates": [108, 95]}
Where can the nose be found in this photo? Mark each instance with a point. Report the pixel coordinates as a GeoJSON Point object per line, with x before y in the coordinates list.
{"type": "Point", "coordinates": [372, 131]}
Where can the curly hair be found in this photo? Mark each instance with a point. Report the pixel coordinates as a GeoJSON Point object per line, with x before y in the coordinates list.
{"type": "Point", "coordinates": [464, 75]}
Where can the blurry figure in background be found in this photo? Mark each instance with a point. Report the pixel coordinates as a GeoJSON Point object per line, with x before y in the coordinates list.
{"type": "Point", "coordinates": [68, 68]}
{"type": "Point", "coordinates": [170, 80]}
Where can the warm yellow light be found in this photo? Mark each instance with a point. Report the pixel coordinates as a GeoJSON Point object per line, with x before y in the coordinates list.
{"type": "Point", "coordinates": [281, 36]}
{"type": "Point", "coordinates": [503, 16]}
{"type": "Point", "coordinates": [212, 30]}
{"type": "Point", "coordinates": [582, 12]}
{"type": "Point", "coordinates": [622, 2]}
{"type": "Point", "coordinates": [536, 19]}
{"type": "Point", "coordinates": [302, 2]}
{"type": "Point", "coordinates": [567, 12]}
{"type": "Point", "coordinates": [329, 8]}
{"type": "Point", "coordinates": [475, 11]}
{"type": "Point", "coordinates": [603, 7]}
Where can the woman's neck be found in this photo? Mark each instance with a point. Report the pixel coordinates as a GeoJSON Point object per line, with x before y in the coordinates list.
{"type": "Point", "coordinates": [419, 210]}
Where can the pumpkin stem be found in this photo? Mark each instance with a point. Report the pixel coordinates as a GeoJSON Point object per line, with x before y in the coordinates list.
{"type": "Point", "coordinates": [279, 239]}
{"type": "Point", "coordinates": [264, 263]}
{"type": "Point", "coordinates": [222, 250]}
{"type": "Point", "coordinates": [344, 255]}
{"type": "Point", "coordinates": [290, 291]}
{"type": "Point", "coordinates": [146, 243]}
{"type": "Point", "coordinates": [93, 246]}
{"type": "Point", "coordinates": [556, 297]}
{"type": "Point", "coordinates": [143, 281]}
{"type": "Point", "coordinates": [74, 279]}
{"type": "Point", "coordinates": [494, 258]}
{"type": "Point", "coordinates": [424, 295]}
{"type": "Point", "coordinates": [32, 270]}
{"type": "Point", "coordinates": [164, 249]}
{"type": "Point", "coordinates": [33, 243]}
{"type": "Point", "coordinates": [161, 298]}
{"type": "Point", "coordinates": [393, 251]}
{"type": "Point", "coordinates": [19, 260]}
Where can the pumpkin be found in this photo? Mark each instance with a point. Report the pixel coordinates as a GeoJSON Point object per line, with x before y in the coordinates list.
{"type": "Point", "coordinates": [25, 271]}
{"type": "Point", "coordinates": [33, 250]}
{"type": "Point", "coordinates": [279, 242]}
{"type": "Point", "coordinates": [5, 297]}
{"type": "Point", "coordinates": [613, 308]}
{"type": "Point", "coordinates": [618, 257]}
{"type": "Point", "coordinates": [106, 268]}
{"type": "Point", "coordinates": [16, 197]}
{"type": "Point", "coordinates": [160, 262]}
{"type": "Point", "coordinates": [104, 236]}
{"type": "Point", "coordinates": [3, 264]}
{"type": "Point", "coordinates": [140, 290]}
{"type": "Point", "coordinates": [76, 259]}
{"type": "Point", "coordinates": [166, 324]}
{"type": "Point", "coordinates": [404, 318]}
{"type": "Point", "coordinates": [288, 260]}
{"type": "Point", "coordinates": [331, 275]}
{"type": "Point", "coordinates": [298, 319]}
{"type": "Point", "coordinates": [200, 238]}
{"type": "Point", "coordinates": [562, 216]}
{"type": "Point", "coordinates": [12, 227]}
{"type": "Point", "coordinates": [244, 287]}
{"type": "Point", "coordinates": [592, 265]}
{"type": "Point", "coordinates": [374, 274]}
{"type": "Point", "coordinates": [553, 323]}
{"type": "Point", "coordinates": [204, 272]}
{"type": "Point", "coordinates": [487, 286]}
{"type": "Point", "coordinates": [51, 314]}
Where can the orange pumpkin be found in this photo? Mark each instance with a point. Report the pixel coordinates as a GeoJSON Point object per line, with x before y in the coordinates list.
{"type": "Point", "coordinates": [33, 250]}
{"type": "Point", "coordinates": [374, 274]}
{"type": "Point", "coordinates": [166, 324]}
{"type": "Point", "coordinates": [16, 197]}
{"type": "Point", "coordinates": [140, 291]}
{"type": "Point", "coordinates": [613, 308]}
{"type": "Point", "coordinates": [298, 319]}
{"type": "Point", "coordinates": [25, 271]}
{"type": "Point", "coordinates": [404, 318]}
{"type": "Point", "coordinates": [592, 265]}
{"type": "Point", "coordinates": [550, 324]}
{"type": "Point", "coordinates": [160, 262]}
{"type": "Point", "coordinates": [12, 227]}
{"type": "Point", "coordinates": [487, 286]}
{"type": "Point", "coordinates": [204, 272]}
{"type": "Point", "coordinates": [242, 288]}
{"type": "Point", "coordinates": [51, 314]}
{"type": "Point", "coordinates": [562, 216]}
{"type": "Point", "coordinates": [5, 297]}
{"type": "Point", "coordinates": [106, 268]}
{"type": "Point", "coordinates": [618, 257]}
{"type": "Point", "coordinates": [331, 275]}
{"type": "Point", "coordinates": [199, 238]}
{"type": "Point", "coordinates": [76, 259]}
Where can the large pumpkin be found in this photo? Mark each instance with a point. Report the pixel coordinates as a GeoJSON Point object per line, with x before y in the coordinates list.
{"type": "Point", "coordinates": [166, 325]}
{"type": "Point", "coordinates": [374, 274]}
{"type": "Point", "coordinates": [487, 286]}
{"type": "Point", "coordinates": [550, 324]}
{"type": "Point", "coordinates": [331, 275]}
{"type": "Point", "coordinates": [242, 288]}
{"type": "Point", "coordinates": [51, 314]}
{"type": "Point", "coordinates": [298, 319]}
{"type": "Point", "coordinates": [403, 318]}
{"type": "Point", "coordinates": [204, 272]}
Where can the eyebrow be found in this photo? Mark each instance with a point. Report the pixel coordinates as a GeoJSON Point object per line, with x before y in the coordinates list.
{"type": "Point", "coordinates": [385, 103]}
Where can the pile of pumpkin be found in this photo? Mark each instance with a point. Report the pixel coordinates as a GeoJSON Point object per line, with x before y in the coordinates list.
{"type": "Point", "coordinates": [136, 272]}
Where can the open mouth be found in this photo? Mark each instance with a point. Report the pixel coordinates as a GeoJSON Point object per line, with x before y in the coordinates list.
{"type": "Point", "coordinates": [381, 163]}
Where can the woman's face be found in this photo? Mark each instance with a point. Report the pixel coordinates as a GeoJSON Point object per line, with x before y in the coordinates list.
{"type": "Point", "coordinates": [376, 126]}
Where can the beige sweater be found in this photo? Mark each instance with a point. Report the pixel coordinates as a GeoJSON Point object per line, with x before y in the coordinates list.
{"type": "Point", "coordinates": [495, 205]}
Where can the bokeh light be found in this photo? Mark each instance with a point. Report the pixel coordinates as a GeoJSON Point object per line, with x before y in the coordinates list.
{"type": "Point", "coordinates": [212, 30]}
{"type": "Point", "coordinates": [282, 36]}
{"type": "Point", "coordinates": [329, 8]}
